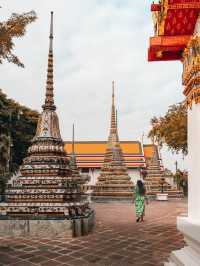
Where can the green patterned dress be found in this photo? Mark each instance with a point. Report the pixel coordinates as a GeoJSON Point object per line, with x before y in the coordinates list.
{"type": "Point", "coordinates": [139, 203]}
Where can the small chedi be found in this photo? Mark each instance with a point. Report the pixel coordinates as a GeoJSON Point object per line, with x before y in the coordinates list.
{"type": "Point", "coordinates": [46, 199]}
{"type": "Point", "coordinates": [155, 178]}
{"type": "Point", "coordinates": [113, 182]}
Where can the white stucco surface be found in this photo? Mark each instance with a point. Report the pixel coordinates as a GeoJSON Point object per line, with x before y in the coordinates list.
{"type": "Point", "coordinates": [194, 162]}
{"type": "Point", "coordinates": [134, 175]}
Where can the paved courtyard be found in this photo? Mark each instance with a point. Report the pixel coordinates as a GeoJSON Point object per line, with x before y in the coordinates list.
{"type": "Point", "coordinates": [116, 240]}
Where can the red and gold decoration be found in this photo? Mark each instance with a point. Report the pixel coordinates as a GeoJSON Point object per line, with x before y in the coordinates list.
{"type": "Point", "coordinates": [174, 24]}
{"type": "Point", "coordinates": [191, 70]}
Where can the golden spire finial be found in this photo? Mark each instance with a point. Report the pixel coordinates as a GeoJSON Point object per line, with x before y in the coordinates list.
{"type": "Point", "coordinates": [49, 100]}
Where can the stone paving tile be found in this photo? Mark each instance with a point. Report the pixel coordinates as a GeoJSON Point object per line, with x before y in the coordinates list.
{"type": "Point", "coordinates": [51, 263]}
{"type": "Point", "coordinates": [117, 240]}
{"type": "Point", "coordinates": [38, 259]}
{"type": "Point", "coordinates": [22, 263]}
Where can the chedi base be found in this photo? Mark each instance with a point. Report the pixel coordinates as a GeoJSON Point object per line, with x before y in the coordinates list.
{"type": "Point", "coordinates": [47, 228]}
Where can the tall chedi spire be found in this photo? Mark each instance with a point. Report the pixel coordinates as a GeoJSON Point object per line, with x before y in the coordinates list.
{"type": "Point", "coordinates": [48, 124]}
{"type": "Point", "coordinates": [113, 181]}
{"type": "Point", "coordinates": [113, 135]}
{"type": "Point", "coordinates": [47, 186]}
{"type": "Point", "coordinates": [49, 100]}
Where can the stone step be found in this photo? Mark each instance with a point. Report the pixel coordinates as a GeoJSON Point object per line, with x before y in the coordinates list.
{"type": "Point", "coordinates": [113, 193]}
{"type": "Point", "coordinates": [107, 199]}
{"type": "Point", "coordinates": [155, 174]}
{"type": "Point", "coordinates": [169, 264]}
{"type": "Point", "coordinates": [114, 185]}
{"type": "Point", "coordinates": [170, 195]}
{"type": "Point", "coordinates": [182, 257]}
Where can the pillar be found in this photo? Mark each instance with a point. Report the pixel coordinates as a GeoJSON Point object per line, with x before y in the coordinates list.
{"type": "Point", "coordinates": [194, 163]}
{"type": "Point", "coordinates": [190, 226]}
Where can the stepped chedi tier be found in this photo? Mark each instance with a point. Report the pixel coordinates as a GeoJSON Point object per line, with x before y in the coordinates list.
{"type": "Point", "coordinates": [113, 182]}
{"type": "Point", "coordinates": [155, 177]}
{"type": "Point", "coordinates": [46, 199]}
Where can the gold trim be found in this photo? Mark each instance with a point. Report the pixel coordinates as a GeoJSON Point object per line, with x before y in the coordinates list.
{"type": "Point", "coordinates": [191, 71]}
{"type": "Point", "coordinates": [163, 15]}
{"type": "Point", "coordinates": [184, 6]}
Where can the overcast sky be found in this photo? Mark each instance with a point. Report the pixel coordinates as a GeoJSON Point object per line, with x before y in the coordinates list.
{"type": "Point", "coordinates": [95, 42]}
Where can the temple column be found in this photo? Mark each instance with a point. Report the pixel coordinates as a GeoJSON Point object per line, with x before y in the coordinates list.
{"type": "Point", "coordinates": [194, 163]}
{"type": "Point", "coordinates": [190, 226]}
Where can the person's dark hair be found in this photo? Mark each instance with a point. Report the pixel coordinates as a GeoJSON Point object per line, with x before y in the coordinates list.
{"type": "Point", "coordinates": [141, 188]}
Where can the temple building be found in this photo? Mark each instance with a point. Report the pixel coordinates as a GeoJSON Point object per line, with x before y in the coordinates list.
{"type": "Point", "coordinates": [113, 165]}
{"type": "Point", "coordinates": [131, 160]}
{"type": "Point", "coordinates": [177, 37]}
{"type": "Point", "coordinates": [90, 157]}
{"type": "Point", "coordinates": [142, 162]}
{"type": "Point", "coordinates": [46, 199]}
{"type": "Point", "coordinates": [174, 23]}
{"type": "Point", "coordinates": [117, 165]}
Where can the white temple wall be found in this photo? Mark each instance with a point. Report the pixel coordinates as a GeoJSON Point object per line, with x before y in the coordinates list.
{"type": "Point", "coordinates": [189, 255]}
{"type": "Point", "coordinates": [93, 173]}
{"type": "Point", "coordinates": [134, 174]}
{"type": "Point", "coordinates": [194, 162]}
{"type": "Point", "coordinates": [170, 180]}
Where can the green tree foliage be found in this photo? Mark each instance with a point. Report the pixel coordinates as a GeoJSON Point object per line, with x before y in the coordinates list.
{"type": "Point", "coordinates": [171, 129]}
{"type": "Point", "coordinates": [4, 155]}
{"type": "Point", "coordinates": [4, 159]}
{"type": "Point", "coordinates": [14, 27]}
{"type": "Point", "coordinates": [18, 125]}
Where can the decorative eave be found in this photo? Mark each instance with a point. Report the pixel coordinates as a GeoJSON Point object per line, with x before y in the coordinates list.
{"type": "Point", "coordinates": [167, 47]}
{"type": "Point", "coordinates": [174, 24]}
{"type": "Point", "coordinates": [191, 69]}
{"type": "Point", "coordinates": [155, 7]}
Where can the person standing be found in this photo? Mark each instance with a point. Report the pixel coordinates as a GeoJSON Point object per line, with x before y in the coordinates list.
{"type": "Point", "coordinates": [140, 198]}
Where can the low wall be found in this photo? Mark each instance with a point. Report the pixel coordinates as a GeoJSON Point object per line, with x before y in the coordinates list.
{"type": "Point", "coordinates": [47, 228]}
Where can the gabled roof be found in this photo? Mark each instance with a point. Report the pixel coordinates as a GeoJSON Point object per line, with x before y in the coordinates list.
{"type": "Point", "coordinates": [150, 150]}
{"type": "Point", "coordinates": [99, 147]}
{"type": "Point", "coordinates": [90, 154]}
